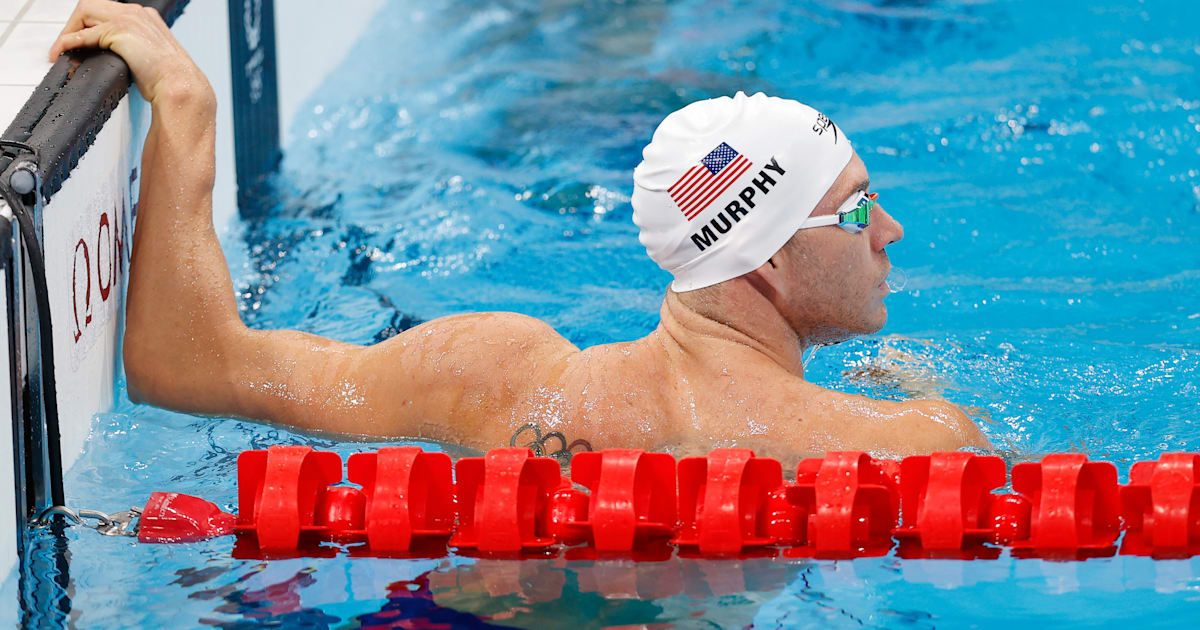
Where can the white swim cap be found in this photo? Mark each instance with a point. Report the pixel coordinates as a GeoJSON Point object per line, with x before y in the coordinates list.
{"type": "Point", "coordinates": [725, 183]}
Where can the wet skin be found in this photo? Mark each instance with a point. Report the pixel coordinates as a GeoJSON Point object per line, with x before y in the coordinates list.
{"type": "Point", "coordinates": [723, 367]}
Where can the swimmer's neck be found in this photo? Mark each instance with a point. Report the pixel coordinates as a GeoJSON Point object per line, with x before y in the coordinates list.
{"type": "Point", "coordinates": [742, 328]}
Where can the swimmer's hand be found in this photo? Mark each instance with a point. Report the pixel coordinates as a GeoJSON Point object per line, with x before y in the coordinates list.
{"type": "Point", "coordinates": [139, 35]}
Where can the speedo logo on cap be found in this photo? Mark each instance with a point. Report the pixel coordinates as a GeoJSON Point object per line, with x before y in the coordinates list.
{"type": "Point", "coordinates": [733, 212]}
{"type": "Point", "coordinates": [704, 182]}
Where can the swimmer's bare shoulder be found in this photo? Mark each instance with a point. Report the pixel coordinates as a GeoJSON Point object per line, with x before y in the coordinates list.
{"type": "Point", "coordinates": [892, 428]}
{"type": "Point", "coordinates": [471, 369]}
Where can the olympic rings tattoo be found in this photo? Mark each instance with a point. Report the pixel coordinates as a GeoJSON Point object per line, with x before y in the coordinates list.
{"type": "Point", "coordinates": [538, 445]}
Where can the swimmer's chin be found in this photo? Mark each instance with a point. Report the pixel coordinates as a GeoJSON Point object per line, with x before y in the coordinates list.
{"type": "Point", "coordinates": [851, 325]}
{"type": "Point", "coordinates": [876, 322]}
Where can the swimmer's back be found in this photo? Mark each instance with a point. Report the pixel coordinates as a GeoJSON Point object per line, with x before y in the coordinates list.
{"type": "Point", "coordinates": [492, 373]}
{"type": "Point", "coordinates": [487, 375]}
{"type": "Point", "coordinates": [477, 379]}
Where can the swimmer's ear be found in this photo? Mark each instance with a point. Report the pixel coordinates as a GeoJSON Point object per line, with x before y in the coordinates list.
{"type": "Point", "coordinates": [772, 261]}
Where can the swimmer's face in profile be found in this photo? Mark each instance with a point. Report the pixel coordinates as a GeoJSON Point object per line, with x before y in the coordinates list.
{"type": "Point", "coordinates": [835, 281]}
{"type": "Point", "coordinates": [796, 224]}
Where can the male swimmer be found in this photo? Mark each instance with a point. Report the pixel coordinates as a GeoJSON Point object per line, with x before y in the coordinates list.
{"type": "Point", "coordinates": [758, 207]}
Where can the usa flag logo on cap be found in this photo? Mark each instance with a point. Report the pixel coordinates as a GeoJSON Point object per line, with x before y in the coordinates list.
{"type": "Point", "coordinates": [704, 182]}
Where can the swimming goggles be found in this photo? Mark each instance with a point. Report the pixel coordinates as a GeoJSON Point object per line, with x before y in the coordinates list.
{"type": "Point", "coordinates": [853, 216]}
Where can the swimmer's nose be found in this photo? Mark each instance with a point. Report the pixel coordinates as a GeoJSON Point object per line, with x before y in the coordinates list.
{"type": "Point", "coordinates": [885, 229]}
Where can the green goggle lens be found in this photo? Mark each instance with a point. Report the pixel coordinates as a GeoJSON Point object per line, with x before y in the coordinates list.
{"type": "Point", "coordinates": [858, 218]}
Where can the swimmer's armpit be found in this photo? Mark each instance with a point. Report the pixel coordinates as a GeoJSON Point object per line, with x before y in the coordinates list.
{"type": "Point", "coordinates": [541, 444]}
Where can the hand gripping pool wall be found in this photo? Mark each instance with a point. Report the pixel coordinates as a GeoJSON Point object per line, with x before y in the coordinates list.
{"type": "Point", "coordinates": [77, 144]}
{"type": "Point", "coordinates": [68, 180]}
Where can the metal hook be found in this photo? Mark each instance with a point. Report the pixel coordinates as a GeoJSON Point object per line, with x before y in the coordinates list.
{"type": "Point", "coordinates": [117, 524]}
{"type": "Point", "coordinates": [44, 518]}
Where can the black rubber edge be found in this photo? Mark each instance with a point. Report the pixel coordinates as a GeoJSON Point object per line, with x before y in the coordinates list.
{"type": "Point", "coordinates": [72, 103]}
{"type": "Point", "coordinates": [29, 116]}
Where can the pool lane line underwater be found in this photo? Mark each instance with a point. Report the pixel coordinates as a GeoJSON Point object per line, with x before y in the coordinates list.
{"type": "Point", "coordinates": [646, 506]}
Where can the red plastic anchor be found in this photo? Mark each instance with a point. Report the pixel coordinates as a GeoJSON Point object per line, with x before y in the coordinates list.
{"type": "Point", "coordinates": [1009, 516]}
{"type": "Point", "coordinates": [787, 522]}
{"type": "Point", "coordinates": [1162, 507]}
{"type": "Point", "coordinates": [632, 500]}
{"type": "Point", "coordinates": [341, 512]}
{"type": "Point", "coordinates": [409, 496]}
{"type": "Point", "coordinates": [946, 500]}
{"type": "Point", "coordinates": [1076, 506]}
{"type": "Point", "coordinates": [502, 500]}
{"type": "Point", "coordinates": [853, 502]}
{"type": "Point", "coordinates": [278, 493]}
{"type": "Point", "coordinates": [567, 506]}
{"type": "Point", "coordinates": [172, 517]}
{"type": "Point", "coordinates": [724, 499]}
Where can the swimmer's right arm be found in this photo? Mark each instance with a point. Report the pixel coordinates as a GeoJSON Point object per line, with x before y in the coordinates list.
{"type": "Point", "coordinates": [180, 311]}
{"type": "Point", "coordinates": [186, 347]}
{"type": "Point", "coordinates": [850, 422]}
{"type": "Point", "coordinates": [937, 425]}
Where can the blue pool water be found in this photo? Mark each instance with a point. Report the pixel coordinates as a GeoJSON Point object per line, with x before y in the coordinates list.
{"type": "Point", "coordinates": [1042, 156]}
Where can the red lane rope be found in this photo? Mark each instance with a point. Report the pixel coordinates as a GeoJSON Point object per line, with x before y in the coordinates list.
{"type": "Point", "coordinates": [628, 501]}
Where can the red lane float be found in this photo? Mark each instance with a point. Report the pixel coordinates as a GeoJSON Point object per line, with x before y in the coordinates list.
{"type": "Point", "coordinates": [1162, 507]}
{"type": "Point", "coordinates": [502, 499]}
{"type": "Point", "coordinates": [1076, 505]}
{"type": "Point", "coordinates": [409, 497]}
{"type": "Point", "coordinates": [630, 502]}
{"type": "Point", "coordinates": [724, 500]}
{"type": "Point", "coordinates": [278, 493]}
{"type": "Point", "coordinates": [632, 499]}
{"type": "Point", "coordinates": [948, 506]}
{"type": "Point", "coordinates": [853, 503]}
